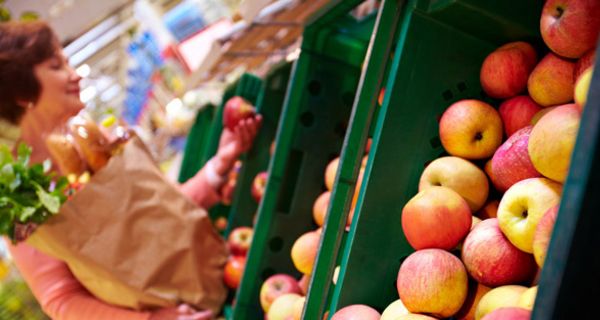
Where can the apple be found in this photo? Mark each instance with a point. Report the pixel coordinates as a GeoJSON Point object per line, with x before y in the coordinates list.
{"type": "Point", "coordinates": [543, 233]}
{"type": "Point", "coordinates": [221, 223]}
{"type": "Point", "coordinates": [490, 210]}
{"type": "Point", "coordinates": [320, 208]}
{"type": "Point", "coordinates": [259, 184]}
{"type": "Point", "coordinates": [505, 71]}
{"type": "Point", "coordinates": [552, 140]}
{"type": "Point", "coordinates": [460, 175]}
{"type": "Point", "coordinates": [304, 282]}
{"type": "Point", "coordinates": [304, 251]}
{"type": "Point", "coordinates": [239, 240]}
{"type": "Point", "coordinates": [476, 291]}
{"type": "Point", "coordinates": [283, 307]}
{"type": "Point", "coordinates": [276, 286]}
{"type": "Point", "coordinates": [394, 310]}
{"type": "Point", "coordinates": [586, 61]}
{"type": "Point", "coordinates": [522, 207]}
{"type": "Point", "coordinates": [500, 297]}
{"type": "Point", "coordinates": [511, 162]}
{"type": "Point", "coordinates": [356, 312]}
{"type": "Point", "coordinates": [492, 260]}
{"type": "Point", "coordinates": [474, 221]}
{"type": "Point", "coordinates": [234, 270]}
{"type": "Point", "coordinates": [381, 96]}
{"type": "Point", "coordinates": [471, 129]}
{"type": "Point", "coordinates": [516, 113]}
{"type": "Point", "coordinates": [487, 168]}
{"type": "Point", "coordinates": [297, 308]}
{"type": "Point", "coordinates": [570, 27]}
{"type": "Point", "coordinates": [432, 281]}
{"type": "Point", "coordinates": [512, 313]}
{"type": "Point", "coordinates": [368, 146]}
{"type": "Point", "coordinates": [527, 299]}
{"type": "Point", "coordinates": [551, 82]}
{"type": "Point", "coordinates": [582, 86]}
{"type": "Point", "coordinates": [236, 109]}
{"type": "Point", "coordinates": [330, 173]}
{"type": "Point", "coordinates": [436, 217]}
{"type": "Point", "coordinates": [540, 114]}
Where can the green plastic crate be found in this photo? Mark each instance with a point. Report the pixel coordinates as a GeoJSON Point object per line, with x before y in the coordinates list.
{"type": "Point", "coordinates": [441, 45]}
{"type": "Point", "coordinates": [196, 139]}
{"type": "Point", "coordinates": [316, 112]}
{"type": "Point", "coordinates": [269, 104]}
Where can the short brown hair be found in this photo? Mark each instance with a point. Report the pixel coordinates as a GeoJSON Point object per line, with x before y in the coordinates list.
{"type": "Point", "coordinates": [23, 45]}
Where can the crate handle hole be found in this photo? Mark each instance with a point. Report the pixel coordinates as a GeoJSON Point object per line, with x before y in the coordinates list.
{"type": "Point", "coordinates": [314, 87]}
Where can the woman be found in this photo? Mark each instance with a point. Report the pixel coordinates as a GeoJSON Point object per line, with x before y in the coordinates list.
{"type": "Point", "coordinates": [39, 92]}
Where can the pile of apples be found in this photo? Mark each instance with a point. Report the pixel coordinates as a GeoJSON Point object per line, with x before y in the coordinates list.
{"type": "Point", "coordinates": [479, 255]}
{"type": "Point", "coordinates": [282, 297]}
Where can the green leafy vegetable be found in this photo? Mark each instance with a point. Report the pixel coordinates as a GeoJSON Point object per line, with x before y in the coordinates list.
{"type": "Point", "coordinates": [28, 193]}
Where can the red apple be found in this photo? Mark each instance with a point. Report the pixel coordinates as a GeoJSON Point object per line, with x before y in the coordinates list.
{"type": "Point", "coordinates": [432, 281]}
{"type": "Point", "coordinates": [304, 251]}
{"type": "Point", "coordinates": [543, 233]}
{"type": "Point", "coordinates": [505, 71]}
{"type": "Point", "coordinates": [381, 96]}
{"type": "Point", "coordinates": [259, 184]}
{"type": "Point", "coordinates": [551, 82]}
{"type": "Point", "coordinates": [552, 140]}
{"type": "Point", "coordinates": [236, 109]}
{"type": "Point", "coordinates": [471, 129]}
{"type": "Point", "coordinates": [356, 312]}
{"type": "Point", "coordinates": [234, 270]}
{"type": "Point", "coordinates": [276, 286]}
{"type": "Point", "coordinates": [586, 61]}
{"type": "Point", "coordinates": [516, 113]}
{"type": "Point", "coordinates": [492, 260]}
{"type": "Point", "coordinates": [511, 162]}
{"type": "Point", "coordinates": [239, 240]}
{"type": "Point", "coordinates": [221, 223]}
{"type": "Point", "coordinates": [570, 27]}
{"type": "Point", "coordinates": [511, 313]}
{"type": "Point", "coordinates": [436, 217]}
{"type": "Point", "coordinates": [304, 282]}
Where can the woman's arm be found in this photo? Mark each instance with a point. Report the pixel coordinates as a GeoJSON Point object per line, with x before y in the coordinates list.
{"type": "Point", "coordinates": [204, 187]}
{"type": "Point", "coordinates": [61, 296]}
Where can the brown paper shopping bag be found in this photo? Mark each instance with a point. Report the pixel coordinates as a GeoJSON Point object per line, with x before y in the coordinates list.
{"type": "Point", "coordinates": [133, 240]}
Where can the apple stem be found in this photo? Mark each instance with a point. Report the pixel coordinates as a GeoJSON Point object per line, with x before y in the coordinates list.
{"type": "Point", "coordinates": [478, 136]}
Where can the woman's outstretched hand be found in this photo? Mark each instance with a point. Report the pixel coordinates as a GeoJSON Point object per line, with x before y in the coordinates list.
{"type": "Point", "coordinates": [182, 312]}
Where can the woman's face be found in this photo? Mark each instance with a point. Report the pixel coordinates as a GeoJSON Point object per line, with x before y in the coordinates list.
{"type": "Point", "coordinates": [59, 95]}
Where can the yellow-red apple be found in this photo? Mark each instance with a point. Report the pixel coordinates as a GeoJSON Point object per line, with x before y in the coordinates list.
{"type": "Point", "coordinates": [540, 114]}
{"type": "Point", "coordinates": [505, 71]}
{"type": "Point", "coordinates": [527, 299]}
{"type": "Point", "coordinates": [297, 308]}
{"type": "Point", "coordinates": [320, 208]}
{"type": "Point", "coordinates": [436, 217]}
{"type": "Point", "coordinates": [582, 86]}
{"type": "Point", "coordinates": [543, 233]}
{"type": "Point", "coordinates": [476, 291]}
{"type": "Point", "coordinates": [490, 210]}
{"type": "Point", "coordinates": [330, 172]}
{"type": "Point", "coordinates": [471, 129]}
{"type": "Point", "coordinates": [234, 270]}
{"type": "Point", "coordinates": [552, 140]}
{"type": "Point", "coordinates": [239, 240]}
{"type": "Point", "coordinates": [522, 207]}
{"type": "Point", "coordinates": [500, 297]}
{"type": "Point", "coordinates": [459, 175]}
{"type": "Point", "coordinates": [570, 27]}
{"type": "Point", "coordinates": [236, 109]}
{"type": "Point", "coordinates": [394, 310]}
{"type": "Point", "coordinates": [551, 82]}
{"type": "Point", "coordinates": [512, 313]}
{"type": "Point", "coordinates": [516, 113]}
{"type": "Point", "coordinates": [259, 184]}
{"type": "Point", "coordinates": [511, 162]}
{"type": "Point", "coordinates": [432, 281]}
{"type": "Point", "coordinates": [304, 282]}
{"type": "Point", "coordinates": [492, 260]}
{"type": "Point", "coordinates": [283, 307]}
{"type": "Point", "coordinates": [356, 312]}
{"type": "Point", "coordinates": [304, 251]}
{"type": "Point", "coordinates": [276, 286]}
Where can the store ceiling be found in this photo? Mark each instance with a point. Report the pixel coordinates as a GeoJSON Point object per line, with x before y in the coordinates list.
{"type": "Point", "coordinates": [69, 18]}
